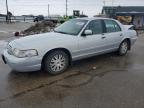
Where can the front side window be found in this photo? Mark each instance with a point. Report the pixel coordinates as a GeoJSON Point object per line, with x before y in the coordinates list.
{"type": "Point", "coordinates": [111, 26]}
{"type": "Point", "coordinates": [71, 27]}
{"type": "Point", "coordinates": [95, 26]}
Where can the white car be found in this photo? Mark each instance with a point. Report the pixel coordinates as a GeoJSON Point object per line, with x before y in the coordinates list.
{"type": "Point", "coordinates": [75, 39]}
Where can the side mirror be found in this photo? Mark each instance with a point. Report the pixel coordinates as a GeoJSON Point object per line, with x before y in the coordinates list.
{"type": "Point", "coordinates": [88, 32]}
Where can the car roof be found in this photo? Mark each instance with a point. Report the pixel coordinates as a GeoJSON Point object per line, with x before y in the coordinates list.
{"type": "Point", "coordinates": [94, 18]}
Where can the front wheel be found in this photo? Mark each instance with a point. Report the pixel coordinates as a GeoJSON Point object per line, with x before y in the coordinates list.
{"type": "Point", "coordinates": [56, 62]}
{"type": "Point", "coordinates": [123, 49]}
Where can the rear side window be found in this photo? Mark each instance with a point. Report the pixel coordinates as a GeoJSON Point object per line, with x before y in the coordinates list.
{"type": "Point", "coordinates": [95, 26]}
{"type": "Point", "coordinates": [117, 27]}
{"type": "Point", "coordinates": [111, 26]}
{"type": "Point", "coordinates": [132, 28]}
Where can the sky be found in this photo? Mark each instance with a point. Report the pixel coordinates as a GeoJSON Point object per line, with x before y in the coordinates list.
{"type": "Point", "coordinates": [38, 7]}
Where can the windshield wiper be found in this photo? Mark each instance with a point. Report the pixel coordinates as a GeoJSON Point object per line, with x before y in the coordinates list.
{"type": "Point", "coordinates": [60, 32]}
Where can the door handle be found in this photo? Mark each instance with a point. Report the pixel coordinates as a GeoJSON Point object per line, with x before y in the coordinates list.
{"type": "Point", "coordinates": [103, 37]}
{"type": "Point", "coordinates": [121, 34]}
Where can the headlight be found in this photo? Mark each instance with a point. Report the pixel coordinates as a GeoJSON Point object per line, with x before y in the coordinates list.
{"type": "Point", "coordinates": [25, 53]}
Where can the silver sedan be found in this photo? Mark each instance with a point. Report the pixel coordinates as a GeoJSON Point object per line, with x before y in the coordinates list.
{"type": "Point", "coordinates": [75, 39]}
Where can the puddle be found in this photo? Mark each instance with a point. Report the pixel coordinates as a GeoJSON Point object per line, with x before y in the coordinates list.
{"type": "Point", "coordinates": [76, 81]}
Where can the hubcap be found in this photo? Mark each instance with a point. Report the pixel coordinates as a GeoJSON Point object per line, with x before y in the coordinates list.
{"type": "Point", "coordinates": [124, 47]}
{"type": "Point", "coordinates": [57, 63]}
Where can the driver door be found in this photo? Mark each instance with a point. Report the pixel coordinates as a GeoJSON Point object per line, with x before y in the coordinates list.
{"type": "Point", "coordinates": [92, 44]}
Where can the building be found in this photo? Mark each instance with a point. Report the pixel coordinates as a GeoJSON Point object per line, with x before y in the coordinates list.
{"type": "Point", "coordinates": [2, 17]}
{"type": "Point", "coordinates": [126, 14]}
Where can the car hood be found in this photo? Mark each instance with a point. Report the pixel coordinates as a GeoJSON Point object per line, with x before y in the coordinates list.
{"type": "Point", "coordinates": [34, 41]}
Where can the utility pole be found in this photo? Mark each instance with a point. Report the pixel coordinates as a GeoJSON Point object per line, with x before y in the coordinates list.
{"type": "Point", "coordinates": [112, 3]}
{"type": "Point", "coordinates": [48, 11]}
{"type": "Point", "coordinates": [104, 2]}
{"type": "Point", "coordinates": [7, 9]}
{"type": "Point", "coordinates": [112, 8]}
{"type": "Point", "coordinates": [66, 7]}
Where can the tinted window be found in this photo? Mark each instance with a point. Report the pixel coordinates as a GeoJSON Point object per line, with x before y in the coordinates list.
{"type": "Point", "coordinates": [111, 26]}
{"type": "Point", "coordinates": [95, 26]}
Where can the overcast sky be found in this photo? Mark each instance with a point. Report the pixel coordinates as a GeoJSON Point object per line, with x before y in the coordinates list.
{"type": "Point", "coordinates": [36, 7]}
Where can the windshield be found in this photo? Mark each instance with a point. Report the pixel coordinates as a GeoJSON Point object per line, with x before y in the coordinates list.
{"type": "Point", "coordinates": [72, 27]}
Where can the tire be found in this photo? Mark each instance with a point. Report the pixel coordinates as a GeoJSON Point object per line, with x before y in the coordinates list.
{"type": "Point", "coordinates": [123, 48]}
{"type": "Point", "coordinates": [56, 62]}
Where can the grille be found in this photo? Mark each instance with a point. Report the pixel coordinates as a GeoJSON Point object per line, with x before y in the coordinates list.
{"type": "Point", "coordinates": [9, 49]}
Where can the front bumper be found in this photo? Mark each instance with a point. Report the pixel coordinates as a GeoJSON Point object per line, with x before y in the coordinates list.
{"type": "Point", "coordinates": [22, 64]}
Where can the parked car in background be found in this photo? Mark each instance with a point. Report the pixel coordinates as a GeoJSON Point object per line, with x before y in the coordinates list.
{"type": "Point", "coordinates": [39, 18]}
{"type": "Point", "coordinates": [75, 39]}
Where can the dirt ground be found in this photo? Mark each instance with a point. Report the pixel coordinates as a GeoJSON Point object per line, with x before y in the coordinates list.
{"type": "Point", "coordinates": [106, 81]}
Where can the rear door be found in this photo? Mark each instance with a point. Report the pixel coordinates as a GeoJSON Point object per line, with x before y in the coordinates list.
{"type": "Point", "coordinates": [113, 34]}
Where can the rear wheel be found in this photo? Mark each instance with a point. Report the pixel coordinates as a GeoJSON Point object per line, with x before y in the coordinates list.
{"type": "Point", "coordinates": [56, 62]}
{"type": "Point", "coordinates": [123, 49]}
